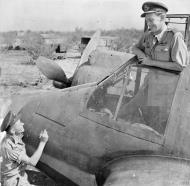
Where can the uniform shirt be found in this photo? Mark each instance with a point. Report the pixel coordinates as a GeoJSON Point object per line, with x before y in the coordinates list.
{"type": "Point", "coordinates": [168, 46]}
{"type": "Point", "coordinates": [12, 149]}
{"type": "Point", "coordinates": [159, 36]}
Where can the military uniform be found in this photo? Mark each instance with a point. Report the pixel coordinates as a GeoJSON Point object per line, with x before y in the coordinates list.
{"type": "Point", "coordinates": [12, 168]}
{"type": "Point", "coordinates": [14, 171]}
{"type": "Point", "coordinates": [170, 47]}
{"type": "Point", "coordinates": [151, 105]}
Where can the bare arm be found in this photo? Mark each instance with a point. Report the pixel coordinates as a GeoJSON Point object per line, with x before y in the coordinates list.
{"type": "Point", "coordinates": [33, 160]}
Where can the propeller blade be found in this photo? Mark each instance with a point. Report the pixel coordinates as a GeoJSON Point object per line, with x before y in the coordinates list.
{"type": "Point", "coordinates": [91, 46]}
{"type": "Point", "coordinates": [51, 70]}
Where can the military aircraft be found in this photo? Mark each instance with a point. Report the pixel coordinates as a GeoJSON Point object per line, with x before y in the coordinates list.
{"type": "Point", "coordinates": [130, 128]}
{"type": "Point", "coordinates": [95, 63]}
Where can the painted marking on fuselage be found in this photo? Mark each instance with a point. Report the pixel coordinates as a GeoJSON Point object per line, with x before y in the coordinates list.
{"type": "Point", "coordinates": [61, 124]}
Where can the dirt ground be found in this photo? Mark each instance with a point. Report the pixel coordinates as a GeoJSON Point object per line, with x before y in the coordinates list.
{"type": "Point", "coordinates": [18, 75]}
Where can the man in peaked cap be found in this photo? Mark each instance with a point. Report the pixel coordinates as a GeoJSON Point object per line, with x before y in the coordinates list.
{"type": "Point", "coordinates": [14, 154]}
{"type": "Point", "coordinates": [153, 7]}
{"type": "Point", "coordinates": [160, 45]}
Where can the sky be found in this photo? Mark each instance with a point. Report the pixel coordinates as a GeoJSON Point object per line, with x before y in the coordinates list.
{"type": "Point", "coordinates": [66, 15]}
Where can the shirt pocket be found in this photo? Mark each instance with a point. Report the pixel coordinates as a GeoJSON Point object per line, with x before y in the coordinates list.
{"type": "Point", "coordinates": [162, 53]}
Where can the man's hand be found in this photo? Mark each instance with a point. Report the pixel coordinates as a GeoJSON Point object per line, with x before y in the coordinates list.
{"type": "Point", "coordinates": [33, 160]}
{"type": "Point", "coordinates": [144, 60]}
{"type": "Point", "coordinates": [44, 136]}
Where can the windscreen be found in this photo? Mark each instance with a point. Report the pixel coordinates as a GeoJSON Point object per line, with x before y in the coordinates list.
{"type": "Point", "coordinates": [137, 95]}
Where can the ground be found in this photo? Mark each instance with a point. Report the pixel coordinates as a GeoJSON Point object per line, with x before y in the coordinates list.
{"type": "Point", "coordinates": [18, 74]}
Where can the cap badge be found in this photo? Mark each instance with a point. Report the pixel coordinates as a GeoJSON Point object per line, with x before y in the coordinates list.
{"type": "Point", "coordinates": [146, 8]}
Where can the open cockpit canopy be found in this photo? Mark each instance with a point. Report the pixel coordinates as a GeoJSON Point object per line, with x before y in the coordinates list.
{"type": "Point", "coordinates": [136, 94]}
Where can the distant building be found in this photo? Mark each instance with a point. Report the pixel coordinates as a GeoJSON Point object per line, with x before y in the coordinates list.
{"type": "Point", "coordinates": [55, 40]}
{"type": "Point", "coordinates": [105, 42]}
{"type": "Point", "coordinates": [21, 33]}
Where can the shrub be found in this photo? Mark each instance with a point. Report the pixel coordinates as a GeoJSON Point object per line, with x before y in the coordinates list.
{"type": "Point", "coordinates": [33, 43]}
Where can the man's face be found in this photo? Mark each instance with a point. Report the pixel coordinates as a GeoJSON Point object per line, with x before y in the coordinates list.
{"type": "Point", "coordinates": [18, 128]}
{"type": "Point", "coordinates": [154, 22]}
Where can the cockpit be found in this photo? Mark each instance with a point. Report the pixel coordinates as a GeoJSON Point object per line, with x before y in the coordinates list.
{"type": "Point", "coordinates": [136, 94]}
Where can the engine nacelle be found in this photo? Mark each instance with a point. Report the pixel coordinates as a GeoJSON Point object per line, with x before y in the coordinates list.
{"type": "Point", "coordinates": [146, 171]}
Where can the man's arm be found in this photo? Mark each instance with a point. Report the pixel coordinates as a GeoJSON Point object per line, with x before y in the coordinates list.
{"type": "Point", "coordinates": [139, 48]}
{"type": "Point", "coordinates": [179, 54]}
{"type": "Point", "coordinates": [33, 160]}
{"type": "Point", "coordinates": [166, 65]}
{"type": "Point", "coordinates": [138, 52]}
{"type": "Point", "coordinates": [147, 61]}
